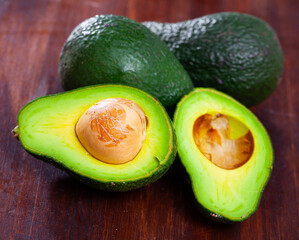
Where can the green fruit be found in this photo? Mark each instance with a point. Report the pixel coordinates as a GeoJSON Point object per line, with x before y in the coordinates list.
{"type": "Point", "coordinates": [235, 53]}
{"type": "Point", "coordinates": [47, 128]}
{"type": "Point", "coordinates": [226, 151]}
{"type": "Point", "coordinates": [115, 49]}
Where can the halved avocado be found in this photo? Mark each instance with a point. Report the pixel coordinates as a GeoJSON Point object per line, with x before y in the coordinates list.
{"type": "Point", "coordinates": [226, 152]}
{"type": "Point", "coordinates": [46, 129]}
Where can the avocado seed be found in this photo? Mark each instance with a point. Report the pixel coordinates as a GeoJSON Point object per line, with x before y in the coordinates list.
{"type": "Point", "coordinates": [112, 130]}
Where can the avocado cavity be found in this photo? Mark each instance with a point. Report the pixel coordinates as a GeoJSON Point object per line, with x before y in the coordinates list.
{"type": "Point", "coordinates": [112, 130]}
{"type": "Point", "coordinates": [212, 135]}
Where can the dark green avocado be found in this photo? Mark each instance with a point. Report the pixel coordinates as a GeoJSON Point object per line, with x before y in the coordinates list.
{"type": "Point", "coordinates": [236, 53]}
{"type": "Point", "coordinates": [226, 152]}
{"type": "Point", "coordinates": [115, 49]}
{"type": "Point", "coordinates": [46, 129]}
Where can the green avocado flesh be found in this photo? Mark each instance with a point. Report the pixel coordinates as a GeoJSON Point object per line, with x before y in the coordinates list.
{"type": "Point", "coordinates": [46, 129]}
{"type": "Point", "coordinates": [224, 194]}
{"type": "Point", "coordinates": [236, 53]}
{"type": "Point", "coordinates": [115, 49]}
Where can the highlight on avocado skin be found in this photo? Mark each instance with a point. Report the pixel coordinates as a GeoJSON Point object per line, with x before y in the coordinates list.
{"type": "Point", "coordinates": [130, 128]}
{"type": "Point", "coordinates": [226, 152]}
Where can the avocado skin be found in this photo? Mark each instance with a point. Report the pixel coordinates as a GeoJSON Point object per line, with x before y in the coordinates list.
{"type": "Point", "coordinates": [115, 49]}
{"type": "Point", "coordinates": [235, 53]}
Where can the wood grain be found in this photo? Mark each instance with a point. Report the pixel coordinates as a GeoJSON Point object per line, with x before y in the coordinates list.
{"type": "Point", "coordinates": [38, 201]}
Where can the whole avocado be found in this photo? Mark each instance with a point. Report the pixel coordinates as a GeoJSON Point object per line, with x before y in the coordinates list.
{"type": "Point", "coordinates": [233, 52]}
{"type": "Point", "coordinates": [115, 49]}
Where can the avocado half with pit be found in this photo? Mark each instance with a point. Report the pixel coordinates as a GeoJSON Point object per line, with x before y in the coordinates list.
{"type": "Point", "coordinates": [111, 137]}
{"type": "Point", "coordinates": [226, 151]}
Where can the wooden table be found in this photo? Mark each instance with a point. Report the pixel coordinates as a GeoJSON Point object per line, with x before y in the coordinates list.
{"type": "Point", "coordinates": [38, 201]}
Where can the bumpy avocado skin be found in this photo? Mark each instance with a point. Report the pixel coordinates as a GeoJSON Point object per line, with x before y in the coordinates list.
{"type": "Point", "coordinates": [236, 53]}
{"type": "Point", "coordinates": [115, 49]}
{"type": "Point", "coordinates": [106, 185]}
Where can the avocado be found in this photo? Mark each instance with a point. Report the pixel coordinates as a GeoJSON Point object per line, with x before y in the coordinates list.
{"type": "Point", "coordinates": [226, 152]}
{"type": "Point", "coordinates": [118, 50]}
{"type": "Point", "coordinates": [236, 53]}
{"type": "Point", "coordinates": [50, 129]}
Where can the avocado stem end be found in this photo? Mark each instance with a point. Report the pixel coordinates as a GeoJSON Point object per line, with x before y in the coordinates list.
{"type": "Point", "coordinates": [15, 132]}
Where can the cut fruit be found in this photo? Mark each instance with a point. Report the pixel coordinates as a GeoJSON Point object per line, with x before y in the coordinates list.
{"type": "Point", "coordinates": [226, 152]}
{"type": "Point", "coordinates": [48, 128]}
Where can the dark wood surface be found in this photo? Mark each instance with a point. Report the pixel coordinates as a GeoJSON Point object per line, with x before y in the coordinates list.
{"type": "Point", "coordinates": [38, 201]}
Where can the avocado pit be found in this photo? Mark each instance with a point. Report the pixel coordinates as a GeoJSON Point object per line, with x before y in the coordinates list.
{"type": "Point", "coordinates": [112, 130]}
{"type": "Point", "coordinates": [212, 135]}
